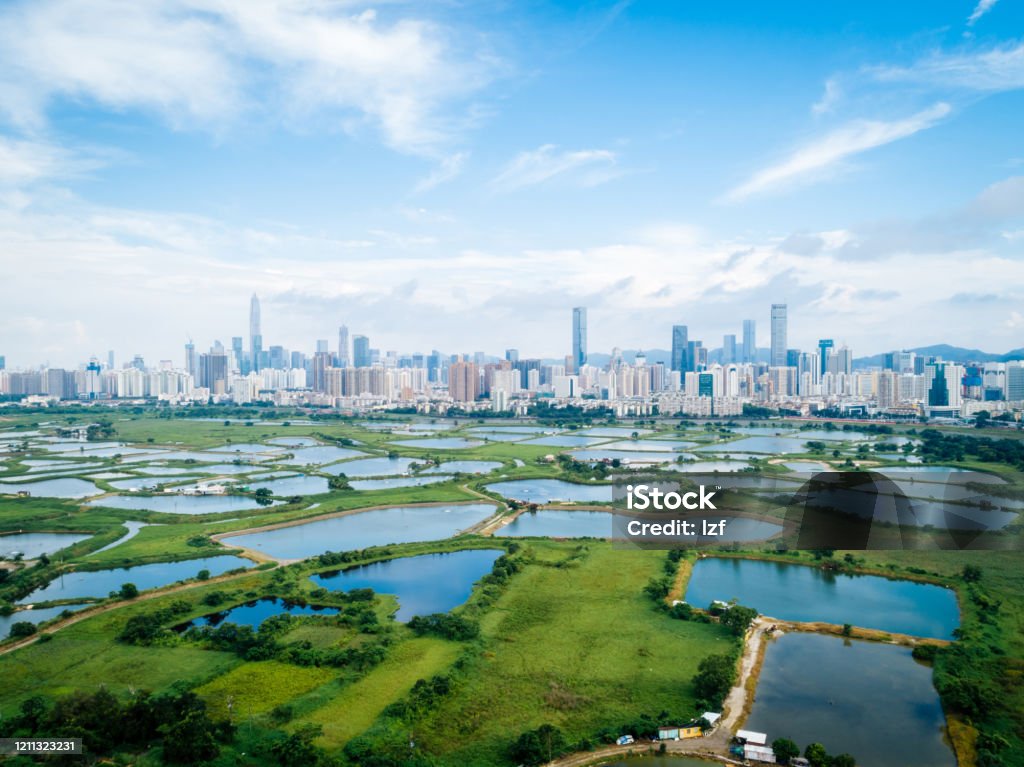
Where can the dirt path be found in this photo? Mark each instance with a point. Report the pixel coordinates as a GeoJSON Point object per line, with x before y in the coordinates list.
{"type": "Point", "coordinates": [89, 612]}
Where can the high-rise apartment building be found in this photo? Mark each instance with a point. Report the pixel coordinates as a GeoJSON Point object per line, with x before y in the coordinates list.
{"type": "Point", "coordinates": [463, 381]}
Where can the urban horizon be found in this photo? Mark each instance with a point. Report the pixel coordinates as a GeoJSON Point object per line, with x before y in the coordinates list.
{"type": "Point", "coordinates": [718, 350]}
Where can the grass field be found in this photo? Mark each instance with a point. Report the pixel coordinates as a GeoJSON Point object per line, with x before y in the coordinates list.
{"type": "Point", "coordinates": [356, 706]}
{"type": "Point", "coordinates": [255, 688]}
{"type": "Point", "coordinates": [579, 647]}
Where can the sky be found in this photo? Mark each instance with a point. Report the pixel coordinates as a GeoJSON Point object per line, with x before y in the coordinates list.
{"type": "Point", "coordinates": [457, 175]}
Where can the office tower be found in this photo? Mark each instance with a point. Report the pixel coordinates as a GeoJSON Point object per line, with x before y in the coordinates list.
{"type": "Point", "coordinates": [321, 346]}
{"type": "Point", "coordinates": [110, 359]}
{"type": "Point", "coordinates": [1014, 381]}
{"type": "Point", "coordinates": [255, 334]}
{"type": "Point", "coordinates": [579, 337]}
{"type": "Point", "coordinates": [825, 346]}
{"type": "Point", "coordinates": [779, 338]}
{"type": "Point", "coordinates": [512, 355]}
{"type": "Point", "coordinates": [190, 358]}
{"type": "Point", "coordinates": [361, 351]}
{"type": "Point", "coordinates": [278, 358]}
{"type": "Point", "coordinates": [942, 384]}
{"type": "Point", "coordinates": [3, 362]}
{"type": "Point", "coordinates": [343, 358]}
{"type": "Point", "coordinates": [60, 383]}
{"type": "Point", "coordinates": [138, 363]}
{"type": "Point", "coordinates": [238, 352]}
{"type": "Point", "coordinates": [792, 358]}
{"type": "Point", "coordinates": [213, 371]}
{"type": "Point", "coordinates": [463, 381]}
{"type": "Point", "coordinates": [728, 349]}
{"type": "Point", "coordinates": [696, 356]}
{"type": "Point", "coordinates": [680, 341]}
{"type": "Point", "coordinates": [321, 362]}
{"type": "Point", "coordinates": [841, 360]}
{"type": "Point", "coordinates": [749, 341]}
{"type": "Point", "coordinates": [705, 385]}
{"type": "Point", "coordinates": [298, 360]}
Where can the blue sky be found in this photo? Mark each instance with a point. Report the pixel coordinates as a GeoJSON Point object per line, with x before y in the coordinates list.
{"type": "Point", "coordinates": [457, 175]}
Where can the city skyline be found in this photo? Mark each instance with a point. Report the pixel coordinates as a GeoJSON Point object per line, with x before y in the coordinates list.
{"type": "Point", "coordinates": [653, 162]}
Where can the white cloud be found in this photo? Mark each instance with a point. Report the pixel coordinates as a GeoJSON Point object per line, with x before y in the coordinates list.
{"type": "Point", "coordinates": [828, 99]}
{"type": "Point", "coordinates": [208, 63]}
{"type": "Point", "coordinates": [993, 70]}
{"type": "Point", "coordinates": [447, 169]}
{"type": "Point", "coordinates": [588, 167]}
{"type": "Point", "coordinates": [983, 7]}
{"type": "Point", "coordinates": [823, 153]}
{"type": "Point", "coordinates": [24, 162]}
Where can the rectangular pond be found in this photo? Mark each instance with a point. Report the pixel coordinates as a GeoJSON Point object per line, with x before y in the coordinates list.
{"type": "Point", "coordinates": [180, 504]}
{"type": "Point", "coordinates": [463, 467]}
{"type": "Point", "coordinates": [99, 583]}
{"type": "Point", "coordinates": [868, 699]}
{"type": "Point", "coordinates": [52, 488]}
{"type": "Point", "coordinates": [801, 593]}
{"type": "Point", "coordinates": [424, 584]}
{"type": "Point", "coordinates": [377, 527]}
{"type": "Point", "coordinates": [389, 483]}
{"type": "Point", "coordinates": [31, 545]}
{"type": "Point", "coordinates": [372, 467]}
{"type": "Point", "coordinates": [543, 491]}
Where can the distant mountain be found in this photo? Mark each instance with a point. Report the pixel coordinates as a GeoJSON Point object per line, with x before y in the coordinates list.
{"type": "Point", "coordinates": [946, 352]}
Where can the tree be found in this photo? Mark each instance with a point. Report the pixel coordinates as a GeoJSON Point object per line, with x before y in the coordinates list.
{"type": "Point", "coordinates": [738, 619]}
{"type": "Point", "coordinates": [843, 760]}
{"type": "Point", "coordinates": [785, 749]}
{"type": "Point", "coordinates": [297, 750]}
{"type": "Point", "coordinates": [538, 746]}
{"type": "Point", "coordinates": [191, 740]}
{"type": "Point", "coordinates": [714, 678]}
{"type": "Point", "coordinates": [971, 573]}
{"type": "Point", "coordinates": [22, 629]}
{"type": "Point", "coordinates": [816, 754]}
{"type": "Point", "coordinates": [128, 591]}
{"type": "Point", "coordinates": [203, 575]}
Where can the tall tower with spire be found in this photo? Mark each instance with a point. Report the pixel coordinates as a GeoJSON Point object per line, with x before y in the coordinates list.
{"type": "Point", "coordinates": [255, 334]}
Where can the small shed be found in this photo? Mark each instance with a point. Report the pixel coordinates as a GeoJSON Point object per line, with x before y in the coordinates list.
{"type": "Point", "coordinates": [711, 718]}
{"type": "Point", "coordinates": [763, 754]}
{"type": "Point", "coordinates": [751, 737]}
{"type": "Point", "coordinates": [668, 733]}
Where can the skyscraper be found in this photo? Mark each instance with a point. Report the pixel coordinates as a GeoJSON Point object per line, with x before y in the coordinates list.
{"type": "Point", "coordinates": [749, 341]}
{"type": "Point", "coordinates": [779, 338]}
{"type": "Point", "coordinates": [579, 337]}
{"type": "Point", "coordinates": [255, 334]}
{"type": "Point", "coordinates": [728, 349]}
{"type": "Point", "coordinates": [825, 346]}
{"type": "Point", "coordinates": [361, 351]}
{"type": "Point", "coordinates": [463, 381]}
{"type": "Point", "coordinates": [680, 339]}
{"type": "Point", "coordinates": [343, 358]}
{"type": "Point", "coordinates": [190, 358]}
